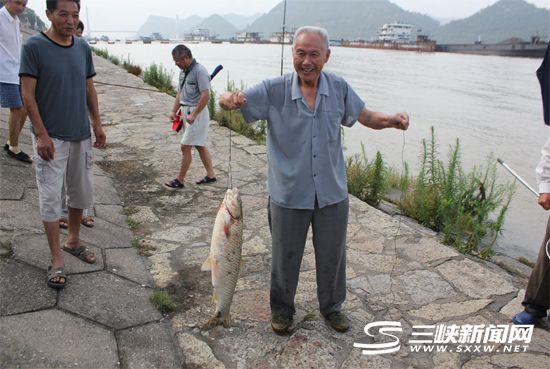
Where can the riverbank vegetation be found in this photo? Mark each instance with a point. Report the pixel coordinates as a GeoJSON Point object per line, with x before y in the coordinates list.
{"type": "Point", "coordinates": [468, 208]}
{"type": "Point", "coordinates": [155, 75]}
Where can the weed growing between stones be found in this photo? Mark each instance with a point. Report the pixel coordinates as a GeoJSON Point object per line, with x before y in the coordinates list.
{"type": "Point", "coordinates": [162, 301]}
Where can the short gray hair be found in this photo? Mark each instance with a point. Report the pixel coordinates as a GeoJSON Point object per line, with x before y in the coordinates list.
{"type": "Point", "coordinates": [182, 51]}
{"type": "Point", "coordinates": [311, 29]}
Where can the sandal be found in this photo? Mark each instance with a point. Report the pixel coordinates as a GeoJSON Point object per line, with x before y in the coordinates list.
{"type": "Point", "coordinates": [87, 222]}
{"type": "Point", "coordinates": [63, 223]}
{"type": "Point", "coordinates": [82, 253]}
{"type": "Point", "coordinates": [175, 183]}
{"type": "Point", "coordinates": [206, 179]}
{"type": "Point", "coordinates": [54, 273]}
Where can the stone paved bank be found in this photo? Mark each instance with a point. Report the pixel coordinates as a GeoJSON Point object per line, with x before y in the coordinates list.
{"type": "Point", "coordinates": [396, 270]}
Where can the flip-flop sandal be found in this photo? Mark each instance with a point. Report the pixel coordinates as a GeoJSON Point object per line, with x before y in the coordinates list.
{"type": "Point", "coordinates": [63, 223]}
{"type": "Point", "coordinates": [81, 252]}
{"type": "Point", "coordinates": [54, 273]}
{"type": "Point", "coordinates": [88, 222]}
{"type": "Point", "coordinates": [206, 179]}
{"type": "Point", "coordinates": [175, 183]}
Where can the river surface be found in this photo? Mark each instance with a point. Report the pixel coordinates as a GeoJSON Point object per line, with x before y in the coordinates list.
{"type": "Point", "coordinates": [492, 104]}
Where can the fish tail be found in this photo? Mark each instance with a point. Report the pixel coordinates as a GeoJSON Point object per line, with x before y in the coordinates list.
{"type": "Point", "coordinates": [218, 319]}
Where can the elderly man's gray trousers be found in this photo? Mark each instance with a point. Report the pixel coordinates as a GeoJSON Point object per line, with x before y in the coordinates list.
{"type": "Point", "coordinates": [289, 228]}
{"type": "Point", "coordinates": [537, 294]}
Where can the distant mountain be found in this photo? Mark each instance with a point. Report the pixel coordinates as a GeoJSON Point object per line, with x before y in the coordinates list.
{"type": "Point", "coordinates": [241, 21]}
{"type": "Point", "coordinates": [495, 23]}
{"type": "Point", "coordinates": [348, 19]}
{"type": "Point", "coordinates": [361, 19]}
{"type": "Point", "coordinates": [218, 26]}
{"type": "Point", "coordinates": [169, 27]}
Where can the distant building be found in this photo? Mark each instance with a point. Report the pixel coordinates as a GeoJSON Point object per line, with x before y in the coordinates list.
{"type": "Point", "coordinates": [249, 37]}
{"type": "Point", "coordinates": [277, 37]}
{"type": "Point", "coordinates": [199, 34]}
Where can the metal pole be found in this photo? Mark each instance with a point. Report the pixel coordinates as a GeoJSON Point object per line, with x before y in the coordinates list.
{"type": "Point", "coordinates": [518, 177]}
{"type": "Point", "coordinates": [283, 37]}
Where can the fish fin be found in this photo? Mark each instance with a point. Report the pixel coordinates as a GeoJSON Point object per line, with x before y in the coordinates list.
{"type": "Point", "coordinates": [207, 265]}
{"type": "Point", "coordinates": [214, 297]}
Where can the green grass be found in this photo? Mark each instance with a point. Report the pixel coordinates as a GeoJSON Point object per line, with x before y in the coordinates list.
{"type": "Point", "coordinates": [162, 301]}
{"type": "Point", "coordinates": [155, 75]}
{"type": "Point", "coordinates": [133, 224]}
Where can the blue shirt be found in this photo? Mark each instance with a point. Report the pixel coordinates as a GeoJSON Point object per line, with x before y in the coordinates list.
{"type": "Point", "coordinates": [304, 147]}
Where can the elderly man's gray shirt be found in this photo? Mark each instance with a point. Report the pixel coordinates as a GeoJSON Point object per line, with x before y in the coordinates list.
{"type": "Point", "coordinates": [197, 81]}
{"type": "Point", "coordinates": [304, 147]}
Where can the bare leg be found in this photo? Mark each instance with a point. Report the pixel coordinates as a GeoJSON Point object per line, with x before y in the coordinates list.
{"type": "Point", "coordinates": [206, 160]}
{"type": "Point", "coordinates": [16, 123]}
{"type": "Point", "coordinates": [73, 238]}
{"type": "Point", "coordinates": [186, 158]}
{"type": "Point", "coordinates": [52, 233]}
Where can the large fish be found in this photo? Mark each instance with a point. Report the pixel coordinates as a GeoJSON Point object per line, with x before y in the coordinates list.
{"type": "Point", "coordinates": [224, 260]}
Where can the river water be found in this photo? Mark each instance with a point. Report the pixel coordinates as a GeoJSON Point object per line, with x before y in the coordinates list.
{"type": "Point", "coordinates": [492, 104]}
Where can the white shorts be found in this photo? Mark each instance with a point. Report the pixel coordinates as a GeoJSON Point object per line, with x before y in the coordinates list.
{"type": "Point", "coordinates": [195, 134]}
{"type": "Point", "coordinates": [73, 163]}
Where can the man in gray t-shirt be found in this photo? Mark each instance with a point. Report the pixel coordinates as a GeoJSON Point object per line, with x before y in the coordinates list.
{"type": "Point", "coordinates": [306, 173]}
{"type": "Point", "coordinates": [192, 104]}
{"type": "Point", "coordinates": [57, 79]}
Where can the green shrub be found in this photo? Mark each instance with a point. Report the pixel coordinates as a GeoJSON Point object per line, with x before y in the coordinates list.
{"type": "Point", "coordinates": [468, 208]}
{"type": "Point", "coordinates": [212, 104]}
{"type": "Point", "coordinates": [158, 77]}
{"type": "Point", "coordinates": [367, 180]}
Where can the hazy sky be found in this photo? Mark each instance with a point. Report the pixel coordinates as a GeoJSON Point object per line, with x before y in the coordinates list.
{"type": "Point", "coordinates": [131, 14]}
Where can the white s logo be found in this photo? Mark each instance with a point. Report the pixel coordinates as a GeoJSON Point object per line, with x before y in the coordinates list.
{"type": "Point", "coordinates": [381, 348]}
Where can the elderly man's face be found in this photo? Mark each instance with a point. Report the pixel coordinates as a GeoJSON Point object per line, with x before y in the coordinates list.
{"type": "Point", "coordinates": [309, 55]}
{"type": "Point", "coordinates": [182, 61]}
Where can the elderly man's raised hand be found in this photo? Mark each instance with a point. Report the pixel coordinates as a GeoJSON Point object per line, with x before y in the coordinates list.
{"type": "Point", "coordinates": [400, 121]}
{"type": "Point", "coordinates": [544, 200]}
{"type": "Point", "coordinates": [232, 100]}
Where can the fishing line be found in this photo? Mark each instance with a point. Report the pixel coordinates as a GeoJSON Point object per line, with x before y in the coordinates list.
{"type": "Point", "coordinates": [400, 222]}
{"type": "Point", "coordinates": [130, 87]}
{"type": "Point", "coordinates": [229, 175]}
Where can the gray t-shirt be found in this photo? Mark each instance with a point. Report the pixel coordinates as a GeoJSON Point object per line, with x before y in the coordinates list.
{"type": "Point", "coordinates": [304, 146]}
{"type": "Point", "coordinates": [197, 80]}
{"type": "Point", "coordinates": [61, 73]}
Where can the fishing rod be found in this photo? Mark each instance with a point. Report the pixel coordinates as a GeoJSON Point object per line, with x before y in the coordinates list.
{"type": "Point", "coordinates": [530, 189]}
{"type": "Point", "coordinates": [523, 182]}
{"type": "Point", "coordinates": [283, 37]}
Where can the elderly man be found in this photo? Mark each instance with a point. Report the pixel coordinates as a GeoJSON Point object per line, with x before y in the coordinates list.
{"type": "Point", "coordinates": [57, 77]}
{"type": "Point", "coordinates": [306, 176]}
{"type": "Point", "coordinates": [10, 95]}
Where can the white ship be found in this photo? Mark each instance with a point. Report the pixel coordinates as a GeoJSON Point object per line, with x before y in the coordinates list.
{"type": "Point", "coordinates": [399, 33]}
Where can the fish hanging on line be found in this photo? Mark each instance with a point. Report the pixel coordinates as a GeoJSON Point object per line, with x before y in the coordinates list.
{"type": "Point", "coordinates": [224, 260]}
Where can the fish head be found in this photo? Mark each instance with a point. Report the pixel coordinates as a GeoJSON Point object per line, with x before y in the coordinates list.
{"type": "Point", "coordinates": [233, 203]}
